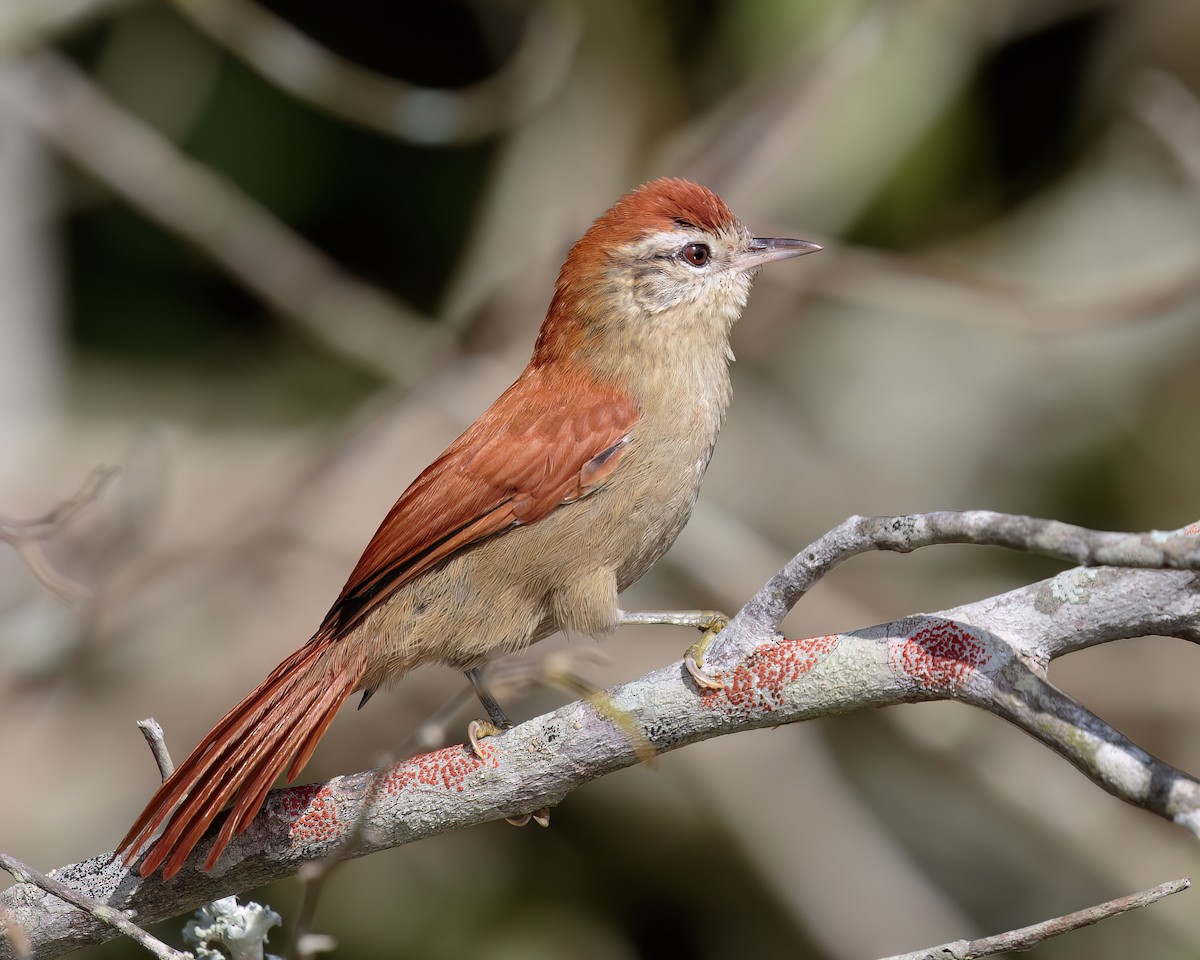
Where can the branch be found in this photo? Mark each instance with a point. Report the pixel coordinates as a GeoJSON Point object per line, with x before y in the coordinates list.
{"type": "Point", "coordinates": [1028, 937]}
{"type": "Point", "coordinates": [100, 912]}
{"type": "Point", "coordinates": [304, 68]}
{"type": "Point", "coordinates": [992, 654]}
{"type": "Point", "coordinates": [274, 263]}
{"type": "Point", "coordinates": [1178, 550]}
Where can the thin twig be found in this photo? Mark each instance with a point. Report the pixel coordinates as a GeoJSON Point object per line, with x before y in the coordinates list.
{"type": "Point", "coordinates": [153, 732]}
{"type": "Point", "coordinates": [24, 873]}
{"type": "Point", "coordinates": [964, 294]}
{"type": "Point", "coordinates": [51, 522]}
{"type": "Point", "coordinates": [24, 536]}
{"type": "Point", "coordinates": [1028, 937]}
{"type": "Point", "coordinates": [304, 68]}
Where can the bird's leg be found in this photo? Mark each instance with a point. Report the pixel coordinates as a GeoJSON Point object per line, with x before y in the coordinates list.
{"type": "Point", "coordinates": [495, 712]}
{"type": "Point", "coordinates": [711, 622]}
{"type": "Point", "coordinates": [498, 720]}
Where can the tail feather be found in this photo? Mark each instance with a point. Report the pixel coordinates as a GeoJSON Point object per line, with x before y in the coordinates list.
{"type": "Point", "coordinates": [280, 721]}
{"type": "Point", "coordinates": [237, 763]}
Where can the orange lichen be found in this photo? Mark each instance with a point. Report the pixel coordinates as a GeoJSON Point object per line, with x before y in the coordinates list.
{"type": "Point", "coordinates": [448, 767]}
{"type": "Point", "coordinates": [314, 809]}
{"type": "Point", "coordinates": [759, 681]}
{"type": "Point", "coordinates": [940, 656]}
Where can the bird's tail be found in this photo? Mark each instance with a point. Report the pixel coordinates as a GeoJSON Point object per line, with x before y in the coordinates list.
{"type": "Point", "coordinates": [239, 759]}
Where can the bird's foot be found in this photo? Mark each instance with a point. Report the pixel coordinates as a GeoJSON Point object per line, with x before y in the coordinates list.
{"type": "Point", "coordinates": [478, 729]}
{"type": "Point", "coordinates": [693, 660]}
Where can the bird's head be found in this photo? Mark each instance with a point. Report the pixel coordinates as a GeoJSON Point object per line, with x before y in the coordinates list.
{"type": "Point", "coordinates": [667, 260]}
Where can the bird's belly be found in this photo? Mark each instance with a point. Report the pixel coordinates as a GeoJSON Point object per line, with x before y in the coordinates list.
{"type": "Point", "coordinates": [562, 572]}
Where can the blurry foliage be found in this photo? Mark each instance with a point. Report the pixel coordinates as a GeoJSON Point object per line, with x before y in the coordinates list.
{"type": "Point", "coordinates": [844, 405]}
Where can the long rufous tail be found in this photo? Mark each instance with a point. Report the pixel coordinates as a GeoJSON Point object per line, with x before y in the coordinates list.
{"type": "Point", "coordinates": [239, 759]}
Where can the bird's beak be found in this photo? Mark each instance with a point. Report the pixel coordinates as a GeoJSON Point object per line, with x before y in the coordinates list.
{"type": "Point", "coordinates": [763, 250]}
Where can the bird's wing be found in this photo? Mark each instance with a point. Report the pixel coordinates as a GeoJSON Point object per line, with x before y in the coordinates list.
{"type": "Point", "coordinates": [551, 438]}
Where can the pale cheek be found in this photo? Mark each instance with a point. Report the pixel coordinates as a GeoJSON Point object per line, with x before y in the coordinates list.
{"type": "Point", "coordinates": [656, 292]}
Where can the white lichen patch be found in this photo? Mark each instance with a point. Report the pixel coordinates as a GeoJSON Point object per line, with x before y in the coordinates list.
{"type": "Point", "coordinates": [1074, 586]}
{"type": "Point", "coordinates": [1124, 769]}
{"type": "Point", "coordinates": [240, 928]}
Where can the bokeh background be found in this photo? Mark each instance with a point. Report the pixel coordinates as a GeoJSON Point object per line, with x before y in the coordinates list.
{"type": "Point", "coordinates": [269, 258]}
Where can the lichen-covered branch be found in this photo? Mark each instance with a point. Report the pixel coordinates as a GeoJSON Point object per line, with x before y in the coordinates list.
{"type": "Point", "coordinates": [88, 905]}
{"type": "Point", "coordinates": [903, 534]}
{"type": "Point", "coordinates": [991, 654]}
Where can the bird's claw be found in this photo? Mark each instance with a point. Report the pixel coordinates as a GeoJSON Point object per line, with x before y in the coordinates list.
{"type": "Point", "coordinates": [541, 817]}
{"type": "Point", "coordinates": [477, 730]}
{"type": "Point", "coordinates": [693, 660]}
{"type": "Point", "coordinates": [705, 681]}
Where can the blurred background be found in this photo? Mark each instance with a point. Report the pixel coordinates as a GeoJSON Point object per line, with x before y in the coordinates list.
{"type": "Point", "coordinates": [268, 258]}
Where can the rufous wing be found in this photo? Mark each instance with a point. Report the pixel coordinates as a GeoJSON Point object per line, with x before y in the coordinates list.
{"type": "Point", "coordinates": [549, 439]}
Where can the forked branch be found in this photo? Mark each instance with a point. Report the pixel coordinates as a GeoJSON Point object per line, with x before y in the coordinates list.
{"type": "Point", "coordinates": [992, 653]}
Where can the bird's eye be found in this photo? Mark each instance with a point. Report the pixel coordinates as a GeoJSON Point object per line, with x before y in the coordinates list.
{"type": "Point", "coordinates": [697, 254]}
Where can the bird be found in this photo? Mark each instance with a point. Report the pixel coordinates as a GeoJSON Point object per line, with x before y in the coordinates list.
{"type": "Point", "coordinates": [565, 491]}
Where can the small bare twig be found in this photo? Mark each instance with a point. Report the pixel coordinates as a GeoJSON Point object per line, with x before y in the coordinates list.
{"type": "Point", "coordinates": [24, 873]}
{"type": "Point", "coordinates": [1028, 937]}
{"type": "Point", "coordinates": [24, 536]}
{"type": "Point", "coordinates": [153, 732]}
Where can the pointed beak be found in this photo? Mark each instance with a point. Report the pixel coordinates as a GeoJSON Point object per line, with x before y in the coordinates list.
{"type": "Point", "coordinates": [762, 251]}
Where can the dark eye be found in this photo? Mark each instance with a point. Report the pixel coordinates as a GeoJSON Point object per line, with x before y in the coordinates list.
{"type": "Point", "coordinates": [697, 254]}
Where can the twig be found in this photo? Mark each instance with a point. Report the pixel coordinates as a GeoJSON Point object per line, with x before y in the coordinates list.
{"type": "Point", "coordinates": [24, 535]}
{"type": "Point", "coordinates": [314, 73]}
{"type": "Point", "coordinates": [1120, 296]}
{"type": "Point", "coordinates": [137, 163]}
{"type": "Point", "coordinates": [24, 25]}
{"type": "Point", "coordinates": [1028, 937]}
{"type": "Point", "coordinates": [153, 732]}
{"type": "Point", "coordinates": [903, 534]}
{"type": "Point", "coordinates": [51, 522]}
{"type": "Point", "coordinates": [1172, 113]}
{"type": "Point", "coordinates": [105, 914]}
